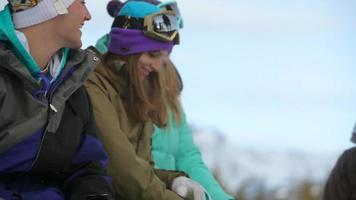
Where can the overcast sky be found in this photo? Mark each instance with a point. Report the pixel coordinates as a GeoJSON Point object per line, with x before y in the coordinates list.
{"type": "Point", "coordinates": [268, 74]}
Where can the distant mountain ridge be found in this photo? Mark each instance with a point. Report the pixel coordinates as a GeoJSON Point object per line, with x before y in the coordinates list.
{"type": "Point", "coordinates": [272, 170]}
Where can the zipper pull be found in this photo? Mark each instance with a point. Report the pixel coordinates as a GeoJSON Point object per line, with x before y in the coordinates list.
{"type": "Point", "coordinates": [53, 108]}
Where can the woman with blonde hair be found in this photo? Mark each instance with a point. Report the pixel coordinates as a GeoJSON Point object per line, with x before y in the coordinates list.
{"type": "Point", "coordinates": [173, 147]}
{"type": "Point", "coordinates": [128, 94]}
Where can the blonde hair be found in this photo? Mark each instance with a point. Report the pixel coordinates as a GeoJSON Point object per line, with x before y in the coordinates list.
{"type": "Point", "coordinates": [152, 98]}
{"type": "Point", "coordinates": [145, 98]}
{"type": "Point", "coordinates": [172, 89]}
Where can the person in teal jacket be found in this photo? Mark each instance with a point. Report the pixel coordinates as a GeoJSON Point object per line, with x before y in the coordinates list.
{"type": "Point", "coordinates": [173, 147]}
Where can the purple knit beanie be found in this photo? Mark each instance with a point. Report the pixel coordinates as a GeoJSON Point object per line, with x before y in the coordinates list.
{"type": "Point", "coordinates": [129, 41]}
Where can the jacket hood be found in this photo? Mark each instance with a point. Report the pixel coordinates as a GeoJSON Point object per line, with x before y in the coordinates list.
{"type": "Point", "coordinates": [102, 44]}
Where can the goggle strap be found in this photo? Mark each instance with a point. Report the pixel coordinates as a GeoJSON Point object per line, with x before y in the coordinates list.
{"type": "Point", "coordinates": [128, 22]}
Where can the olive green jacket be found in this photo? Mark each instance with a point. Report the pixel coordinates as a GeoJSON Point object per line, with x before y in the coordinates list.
{"type": "Point", "coordinates": [127, 143]}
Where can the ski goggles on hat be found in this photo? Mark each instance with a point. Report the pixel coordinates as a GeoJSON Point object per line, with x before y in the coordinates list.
{"type": "Point", "coordinates": [161, 26]}
{"type": "Point", "coordinates": [172, 6]}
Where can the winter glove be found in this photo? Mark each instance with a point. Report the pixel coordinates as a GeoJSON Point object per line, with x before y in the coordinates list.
{"type": "Point", "coordinates": [188, 189]}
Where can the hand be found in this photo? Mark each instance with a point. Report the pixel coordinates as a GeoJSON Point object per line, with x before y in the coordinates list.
{"type": "Point", "coordinates": [187, 188]}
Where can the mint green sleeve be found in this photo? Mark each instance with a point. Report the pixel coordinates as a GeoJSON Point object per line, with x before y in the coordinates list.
{"type": "Point", "coordinates": [102, 44]}
{"type": "Point", "coordinates": [189, 160]}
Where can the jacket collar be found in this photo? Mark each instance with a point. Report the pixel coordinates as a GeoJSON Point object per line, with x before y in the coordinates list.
{"type": "Point", "coordinates": [116, 75]}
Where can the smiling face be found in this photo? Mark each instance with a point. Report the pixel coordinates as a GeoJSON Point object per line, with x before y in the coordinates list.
{"type": "Point", "coordinates": [151, 62]}
{"type": "Point", "coordinates": [67, 27]}
{"type": "Point", "coordinates": [145, 92]}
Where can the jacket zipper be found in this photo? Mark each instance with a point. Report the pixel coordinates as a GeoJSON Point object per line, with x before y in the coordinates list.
{"type": "Point", "coordinates": [50, 92]}
{"type": "Point", "coordinates": [139, 138]}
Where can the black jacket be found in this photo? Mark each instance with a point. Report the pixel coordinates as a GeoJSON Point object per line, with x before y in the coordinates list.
{"type": "Point", "coordinates": [341, 184]}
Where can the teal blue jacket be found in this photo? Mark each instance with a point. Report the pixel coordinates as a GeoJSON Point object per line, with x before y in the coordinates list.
{"type": "Point", "coordinates": [173, 148]}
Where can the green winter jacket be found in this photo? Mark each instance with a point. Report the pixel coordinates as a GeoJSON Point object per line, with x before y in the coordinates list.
{"type": "Point", "coordinates": [127, 142]}
{"type": "Point", "coordinates": [173, 148]}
